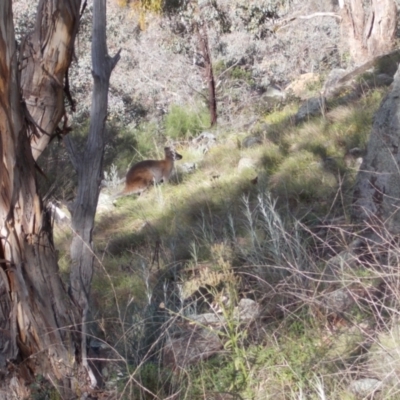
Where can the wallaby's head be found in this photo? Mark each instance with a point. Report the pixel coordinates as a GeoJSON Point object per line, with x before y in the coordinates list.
{"type": "Point", "coordinates": [172, 154]}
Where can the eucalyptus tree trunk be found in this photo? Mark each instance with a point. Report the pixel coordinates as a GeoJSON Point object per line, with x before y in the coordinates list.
{"type": "Point", "coordinates": [36, 314]}
{"type": "Point", "coordinates": [89, 168]}
{"type": "Point", "coordinates": [201, 29]}
{"type": "Point", "coordinates": [209, 73]}
{"type": "Point", "coordinates": [369, 27]}
{"type": "Point", "coordinates": [46, 57]}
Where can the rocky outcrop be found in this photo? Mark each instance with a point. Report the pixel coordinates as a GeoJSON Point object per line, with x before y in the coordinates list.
{"type": "Point", "coordinates": [310, 108]}
{"type": "Point", "coordinates": [377, 189]}
{"type": "Point", "coordinates": [190, 345]}
{"type": "Point", "coordinates": [204, 141]}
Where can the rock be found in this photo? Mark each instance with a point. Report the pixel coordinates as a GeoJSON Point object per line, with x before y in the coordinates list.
{"type": "Point", "coordinates": [356, 152]}
{"type": "Point", "coordinates": [205, 141]}
{"type": "Point", "coordinates": [365, 387]}
{"type": "Point", "coordinates": [382, 67]}
{"type": "Point", "coordinates": [247, 310]}
{"type": "Point", "coordinates": [186, 168]}
{"type": "Point", "coordinates": [376, 198]}
{"type": "Point", "coordinates": [204, 136]}
{"type": "Point", "coordinates": [335, 266]}
{"type": "Point", "coordinates": [309, 108]}
{"type": "Point", "coordinates": [383, 80]}
{"type": "Point", "coordinates": [189, 346]}
{"type": "Point", "coordinates": [208, 318]}
{"type": "Point", "coordinates": [300, 87]}
{"type": "Point", "coordinates": [251, 141]}
{"type": "Point", "coordinates": [353, 158]}
{"type": "Point", "coordinates": [265, 83]}
{"type": "Point", "coordinates": [338, 301]}
{"type": "Point", "coordinates": [246, 163]}
{"type": "Point", "coordinates": [274, 92]}
{"type": "Point", "coordinates": [332, 80]}
{"type": "Point", "coordinates": [387, 63]}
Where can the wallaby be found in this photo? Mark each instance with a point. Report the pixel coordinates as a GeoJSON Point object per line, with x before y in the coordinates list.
{"type": "Point", "coordinates": [148, 172]}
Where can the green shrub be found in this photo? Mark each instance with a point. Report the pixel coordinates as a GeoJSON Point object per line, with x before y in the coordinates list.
{"type": "Point", "coordinates": [182, 123]}
{"type": "Point", "coordinates": [239, 73]}
{"type": "Point", "coordinates": [271, 157]}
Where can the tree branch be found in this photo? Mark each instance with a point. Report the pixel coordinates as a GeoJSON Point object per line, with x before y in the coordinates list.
{"type": "Point", "coordinates": [115, 59]}
{"type": "Point", "coordinates": [285, 22]}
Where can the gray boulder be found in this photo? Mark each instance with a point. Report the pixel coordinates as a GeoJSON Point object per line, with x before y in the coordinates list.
{"type": "Point", "coordinates": [251, 141]}
{"type": "Point", "coordinates": [190, 345]}
{"type": "Point", "coordinates": [365, 387]}
{"type": "Point", "coordinates": [309, 108]}
{"type": "Point", "coordinates": [377, 189]}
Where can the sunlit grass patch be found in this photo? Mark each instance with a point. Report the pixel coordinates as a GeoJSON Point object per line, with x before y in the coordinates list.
{"type": "Point", "coordinates": [313, 137]}
{"type": "Point", "coordinates": [280, 122]}
{"type": "Point", "coordinates": [351, 124]}
{"type": "Point", "coordinates": [281, 116]}
{"type": "Point", "coordinates": [222, 159]}
{"type": "Point", "coordinates": [352, 131]}
{"type": "Point", "coordinates": [271, 156]}
{"type": "Point", "coordinates": [302, 177]}
{"type": "Point", "coordinates": [339, 113]}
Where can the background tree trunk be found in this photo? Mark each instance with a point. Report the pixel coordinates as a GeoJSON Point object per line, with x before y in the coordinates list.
{"type": "Point", "coordinates": [209, 73]}
{"type": "Point", "coordinates": [36, 315]}
{"type": "Point", "coordinates": [89, 166]}
{"type": "Point", "coordinates": [369, 27]}
{"type": "Point", "coordinates": [46, 57]}
{"type": "Point", "coordinates": [377, 189]}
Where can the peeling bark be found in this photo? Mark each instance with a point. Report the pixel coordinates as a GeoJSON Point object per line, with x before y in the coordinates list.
{"type": "Point", "coordinates": [369, 27]}
{"type": "Point", "coordinates": [46, 55]}
{"type": "Point", "coordinates": [36, 315]}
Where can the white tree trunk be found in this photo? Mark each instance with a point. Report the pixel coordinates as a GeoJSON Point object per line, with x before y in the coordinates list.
{"type": "Point", "coordinates": [369, 27]}
{"type": "Point", "coordinates": [89, 166]}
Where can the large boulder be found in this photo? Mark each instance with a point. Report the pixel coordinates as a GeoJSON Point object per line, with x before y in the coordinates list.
{"type": "Point", "coordinates": [309, 108]}
{"type": "Point", "coordinates": [377, 188]}
{"type": "Point", "coordinates": [190, 345]}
